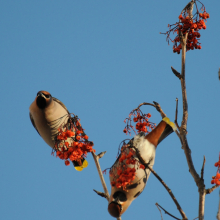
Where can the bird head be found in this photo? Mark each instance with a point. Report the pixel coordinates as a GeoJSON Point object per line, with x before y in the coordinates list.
{"type": "Point", "coordinates": [43, 99]}
{"type": "Point", "coordinates": [118, 204]}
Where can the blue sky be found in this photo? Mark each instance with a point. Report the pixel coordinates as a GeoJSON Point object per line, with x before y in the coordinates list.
{"type": "Point", "coordinates": [102, 59]}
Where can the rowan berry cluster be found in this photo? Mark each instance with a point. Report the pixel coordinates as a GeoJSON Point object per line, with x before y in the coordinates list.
{"type": "Point", "coordinates": [216, 179]}
{"type": "Point", "coordinates": [71, 142]}
{"type": "Point", "coordinates": [124, 173]}
{"type": "Point", "coordinates": [141, 120]}
{"type": "Point", "coordinates": [190, 25]}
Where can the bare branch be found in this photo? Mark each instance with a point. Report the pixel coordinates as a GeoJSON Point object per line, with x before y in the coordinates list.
{"type": "Point", "coordinates": [176, 115]}
{"type": "Point", "coordinates": [101, 154]}
{"type": "Point", "coordinates": [95, 157]}
{"type": "Point", "coordinates": [155, 105]}
{"type": "Point", "coordinates": [159, 210]}
{"type": "Point", "coordinates": [101, 194]}
{"type": "Point", "coordinates": [159, 109]}
{"type": "Point", "coordinates": [209, 191]}
{"type": "Point", "coordinates": [202, 194]}
{"type": "Point", "coordinates": [195, 218]}
{"type": "Point", "coordinates": [144, 103]}
{"type": "Point", "coordinates": [183, 86]}
{"type": "Point", "coordinates": [203, 166]}
{"type": "Point", "coordinates": [166, 212]}
{"type": "Point", "coordinates": [183, 129]}
{"type": "Point", "coordinates": [219, 74]}
{"type": "Point", "coordinates": [176, 123]}
{"type": "Point", "coordinates": [218, 213]}
{"type": "Point", "coordinates": [177, 74]}
{"type": "Point", "coordinates": [163, 183]}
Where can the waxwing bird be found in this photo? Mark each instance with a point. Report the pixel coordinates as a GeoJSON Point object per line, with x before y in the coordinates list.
{"type": "Point", "coordinates": [47, 114]}
{"type": "Point", "coordinates": [122, 197]}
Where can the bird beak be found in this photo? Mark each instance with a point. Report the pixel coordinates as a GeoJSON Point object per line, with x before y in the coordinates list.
{"type": "Point", "coordinates": [41, 95]}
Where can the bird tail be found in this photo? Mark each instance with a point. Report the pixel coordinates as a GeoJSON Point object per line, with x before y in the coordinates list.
{"type": "Point", "coordinates": [169, 128]}
{"type": "Point", "coordinates": [80, 164]}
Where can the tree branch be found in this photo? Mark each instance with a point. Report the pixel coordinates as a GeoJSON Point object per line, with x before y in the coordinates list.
{"type": "Point", "coordinates": [155, 105]}
{"type": "Point", "coordinates": [209, 191]}
{"type": "Point", "coordinates": [100, 155]}
{"type": "Point", "coordinates": [183, 129]}
{"type": "Point", "coordinates": [177, 74]}
{"type": "Point", "coordinates": [159, 210]}
{"type": "Point", "coordinates": [96, 159]}
{"type": "Point", "coordinates": [218, 213]}
{"type": "Point", "coordinates": [183, 86]}
{"type": "Point", "coordinates": [176, 123]}
{"type": "Point", "coordinates": [166, 212]}
{"type": "Point", "coordinates": [101, 194]}
{"type": "Point", "coordinates": [159, 178]}
{"type": "Point", "coordinates": [159, 109]}
{"type": "Point", "coordinates": [176, 115]}
{"type": "Point", "coordinates": [203, 166]}
{"type": "Point", "coordinates": [219, 74]}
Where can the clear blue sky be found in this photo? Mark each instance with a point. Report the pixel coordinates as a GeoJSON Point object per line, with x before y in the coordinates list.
{"type": "Point", "coordinates": [102, 59]}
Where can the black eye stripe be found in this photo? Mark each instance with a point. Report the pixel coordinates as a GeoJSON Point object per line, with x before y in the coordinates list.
{"type": "Point", "coordinates": [120, 195]}
{"type": "Point", "coordinates": [47, 96]}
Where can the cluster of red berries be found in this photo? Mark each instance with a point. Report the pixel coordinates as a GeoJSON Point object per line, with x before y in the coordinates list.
{"type": "Point", "coordinates": [71, 142]}
{"type": "Point", "coordinates": [216, 179]}
{"type": "Point", "coordinates": [141, 120]}
{"type": "Point", "coordinates": [190, 25]}
{"type": "Point", "coordinates": [124, 173]}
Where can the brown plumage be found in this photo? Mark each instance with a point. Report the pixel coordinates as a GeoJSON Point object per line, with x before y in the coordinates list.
{"type": "Point", "coordinates": [47, 114]}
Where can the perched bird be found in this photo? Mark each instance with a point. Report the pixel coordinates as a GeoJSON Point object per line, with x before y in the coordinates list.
{"type": "Point", "coordinates": [121, 198]}
{"type": "Point", "coordinates": [47, 114]}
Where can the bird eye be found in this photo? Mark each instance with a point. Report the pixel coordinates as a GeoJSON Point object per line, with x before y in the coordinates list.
{"type": "Point", "coordinates": [47, 96]}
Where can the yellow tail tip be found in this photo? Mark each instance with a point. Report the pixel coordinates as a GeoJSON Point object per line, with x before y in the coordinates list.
{"type": "Point", "coordinates": [84, 165]}
{"type": "Point", "coordinates": [79, 168]}
{"type": "Point", "coordinates": [167, 120]}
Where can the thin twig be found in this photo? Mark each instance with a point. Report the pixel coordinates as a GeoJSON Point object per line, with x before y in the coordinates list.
{"type": "Point", "coordinates": [176, 123]}
{"type": "Point", "coordinates": [203, 166]}
{"type": "Point", "coordinates": [166, 212]}
{"type": "Point", "coordinates": [195, 218]}
{"type": "Point", "coordinates": [176, 115]}
{"type": "Point", "coordinates": [210, 190]}
{"type": "Point", "coordinates": [159, 109]}
{"type": "Point", "coordinates": [219, 74]}
{"type": "Point", "coordinates": [101, 154]}
{"type": "Point", "coordinates": [163, 183]}
{"type": "Point", "coordinates": [218, 213]}
{"type": "Point", "coordinates": [159, 210]}
{"type": "Point", "coordinates": [177, 74]}
{"type": "Point", "coordinates": [155, 105]}
{"type": "Point", "coordinates": [100, 193]}
{"type": "Point", "coordinates": [95, 157]}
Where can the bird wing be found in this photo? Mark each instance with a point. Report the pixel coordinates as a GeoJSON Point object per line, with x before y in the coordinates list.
{"type": "Point", "coordinates": [33, 123]}
{"type": "Point", "coordinates": [59, 102]}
